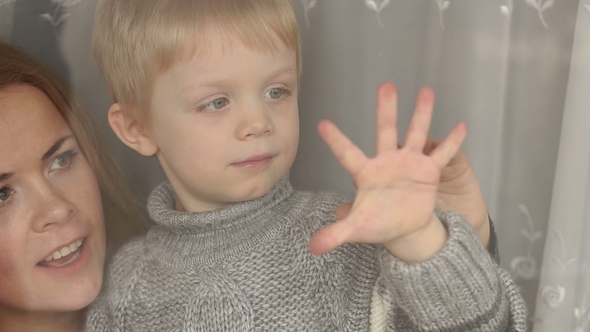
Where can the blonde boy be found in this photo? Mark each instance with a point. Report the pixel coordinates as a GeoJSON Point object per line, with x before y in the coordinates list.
{"type": "Point", "coordinates": [210, 88]}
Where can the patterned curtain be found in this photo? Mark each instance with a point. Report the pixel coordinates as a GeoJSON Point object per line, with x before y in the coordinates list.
{"type": "Point", "coordinates": [516, 71]}
{"type": "Point", "coordinates": [563, 300]}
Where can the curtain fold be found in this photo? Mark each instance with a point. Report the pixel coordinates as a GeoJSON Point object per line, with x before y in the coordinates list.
{"type": "Point", "coordinates": [563, 300]}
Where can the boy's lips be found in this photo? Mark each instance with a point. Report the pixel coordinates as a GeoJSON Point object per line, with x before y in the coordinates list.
{"type": "Point", "coordinates": [255, 161]}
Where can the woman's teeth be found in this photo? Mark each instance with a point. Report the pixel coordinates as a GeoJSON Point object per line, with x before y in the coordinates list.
{"type": "Point", "coordinates": [64, 251]}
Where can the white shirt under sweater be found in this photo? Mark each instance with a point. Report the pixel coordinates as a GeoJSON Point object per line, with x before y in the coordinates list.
{"type": "Point", "coordinates": [247, 267]}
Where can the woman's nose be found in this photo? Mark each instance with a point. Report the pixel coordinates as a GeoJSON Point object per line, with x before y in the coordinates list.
{"type": "Point", "coordinates": [51, 209]}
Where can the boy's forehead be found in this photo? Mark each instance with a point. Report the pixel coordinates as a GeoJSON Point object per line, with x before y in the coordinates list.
{"type": "Point", "coordinates": [216, 56]}
{"type": "Point", "coordinates": [226, 61]}
{"type": "Point", "coordinates": [218, 53]}
{"type": "Point", "coordinates": [213, 42]}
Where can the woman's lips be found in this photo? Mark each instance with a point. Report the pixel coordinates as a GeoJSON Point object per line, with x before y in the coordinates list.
{"type": "Point", "coordinates": [255, 161]}
{"type": "Point", "coordinates": [64, 255]}
{"type": "Point", "coordinates": [70, 265]}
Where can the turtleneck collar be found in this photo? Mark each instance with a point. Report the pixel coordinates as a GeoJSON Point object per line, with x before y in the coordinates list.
{"type": "Point", "coordinates": [211, 237]}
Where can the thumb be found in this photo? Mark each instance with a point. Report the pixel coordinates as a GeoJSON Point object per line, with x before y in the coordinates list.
{"type": "Point", "coordinates": [342, 211]}
{"type": "Point", "coordinates": [330, 237]}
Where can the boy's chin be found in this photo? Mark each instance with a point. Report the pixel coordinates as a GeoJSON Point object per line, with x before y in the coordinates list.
{"type": "Point", "coordinates": [256, 189]}
{"type": "Point", "coordinates": [254, 193]}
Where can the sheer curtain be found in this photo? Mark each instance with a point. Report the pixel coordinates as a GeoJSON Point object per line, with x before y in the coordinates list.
{"type": "Point", "coordinates": [502, 67]}
{"type": "Point", "coordinates": [509, 68]}
{"type": "Point", "coordinates": [563, 301]}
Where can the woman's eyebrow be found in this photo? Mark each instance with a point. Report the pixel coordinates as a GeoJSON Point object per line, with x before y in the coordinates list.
{"type": "Point", "coordinates": [55, 147]}
{"type": "Point", "coordinates": [6, 176]}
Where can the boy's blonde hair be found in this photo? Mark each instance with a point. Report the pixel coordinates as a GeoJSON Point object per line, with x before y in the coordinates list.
{"type": "Point", "coordinates": [134, 41]}
{"type": "Point", "coordinates": [121, 216]}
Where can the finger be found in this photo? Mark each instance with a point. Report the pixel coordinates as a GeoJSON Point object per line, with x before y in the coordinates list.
{"type": "Point", "coordinates": [386, 117]}
{"type": "Point", "coordinates": [457, 158]}
{"type": "Point", "coordinates": [429, 146]}
{"type": "Point", "coordinates": [448, 148]}
{"type": "Point", "coordinates": [330, 237]}
{"type": "Point", "coordinates": [347, 153]}
{"type": "Point", "coordinates": [420, 123]}
{"type": "Point", "coordinates": [342, 211]}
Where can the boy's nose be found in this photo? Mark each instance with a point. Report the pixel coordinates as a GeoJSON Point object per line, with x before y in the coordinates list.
{"type": "Point", "coordinates": [254, 123]}
{"type": "Point", "coordinates": [50, 209]}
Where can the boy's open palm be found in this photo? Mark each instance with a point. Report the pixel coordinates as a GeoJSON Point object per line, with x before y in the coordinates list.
{"type": "Point", "coordinates": [397, 189]}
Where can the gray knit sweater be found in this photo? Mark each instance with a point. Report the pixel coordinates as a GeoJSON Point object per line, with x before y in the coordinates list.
{"type": "Point", "coordinates": [247, 267]}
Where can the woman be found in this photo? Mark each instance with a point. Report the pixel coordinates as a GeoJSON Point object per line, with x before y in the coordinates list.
{"type": "Point", "coordinates": [60, 197]}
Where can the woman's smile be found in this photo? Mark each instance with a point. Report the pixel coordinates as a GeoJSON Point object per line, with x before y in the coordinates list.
{"type": "Point", "coordinates": [64, 256]}
{"type": "Point", "coordinates": [68, 265]}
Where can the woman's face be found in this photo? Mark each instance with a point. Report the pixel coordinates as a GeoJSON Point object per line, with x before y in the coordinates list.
{"type": "Point", "coordinates": [52, 241]}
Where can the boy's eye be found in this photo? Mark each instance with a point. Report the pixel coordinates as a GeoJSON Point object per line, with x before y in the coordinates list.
{"type": "Point", "coordinates": [275, 93]}
{"type": "Point", "coordinates": [62, 161]}
{"type": "Point", "coordinates": [5, 193]}
{"type": "Point", "coordinates": [216, 104]}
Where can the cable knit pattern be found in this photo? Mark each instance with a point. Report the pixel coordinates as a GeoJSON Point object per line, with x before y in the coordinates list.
{"type": "Point", "coordinates": [441, 287]}
{"type": "Point", "coordinates": [247, 267]}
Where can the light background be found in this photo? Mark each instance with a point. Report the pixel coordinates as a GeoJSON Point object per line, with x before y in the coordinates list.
{"type": "Point", "coordinates": [502, 66]}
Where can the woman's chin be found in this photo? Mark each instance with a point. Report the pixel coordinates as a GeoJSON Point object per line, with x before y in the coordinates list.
{"type": "Point", "coordinates": [75, 283]}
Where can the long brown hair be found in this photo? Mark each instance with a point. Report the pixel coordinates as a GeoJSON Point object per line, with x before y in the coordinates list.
{"type": "Point", "coordinates": [121, 215]}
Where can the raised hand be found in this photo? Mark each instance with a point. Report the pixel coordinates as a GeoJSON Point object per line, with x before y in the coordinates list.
{"type": "Point", "coordinates": [397, 189]}
{"type": "Point", "coordinates": [459, 191]}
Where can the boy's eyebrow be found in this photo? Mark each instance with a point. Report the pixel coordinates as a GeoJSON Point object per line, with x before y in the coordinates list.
{"type": "Point", "coordinates": [55, 147]}
{"type": "Point", "coordinates": [291, 71]}
{"type": "Point", "coordinates": [282, 71]}
{"type": "Point", "coordinates": [191, 87]}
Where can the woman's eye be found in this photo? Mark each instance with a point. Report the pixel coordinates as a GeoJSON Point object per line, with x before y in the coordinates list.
{"type": "Point", "coordinates": [275, 93]}
{"type": "Point", "coordinates": [215, 105]}
{"type": "Point", "coordinates": [63, 160]}
{"type": "Point", "coordinates": [5, 193]}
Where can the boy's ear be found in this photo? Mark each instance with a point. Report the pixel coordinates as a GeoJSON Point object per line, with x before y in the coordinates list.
{"type": "Point", "coordinates": [131, 132]}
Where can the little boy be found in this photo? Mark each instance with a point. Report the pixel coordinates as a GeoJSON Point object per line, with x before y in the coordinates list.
{"type": "Point", "coordinates": [210, 88]}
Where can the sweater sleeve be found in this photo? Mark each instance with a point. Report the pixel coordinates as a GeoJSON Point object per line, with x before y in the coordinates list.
{"type": "Point", "coordinates": [96, 320]}
{"type": "Point", "coordinates": [459, 289]}
{"type": "Point", "coordinates": [107, 312]}
{"type": "Point", "coordinates": [493, 244]}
